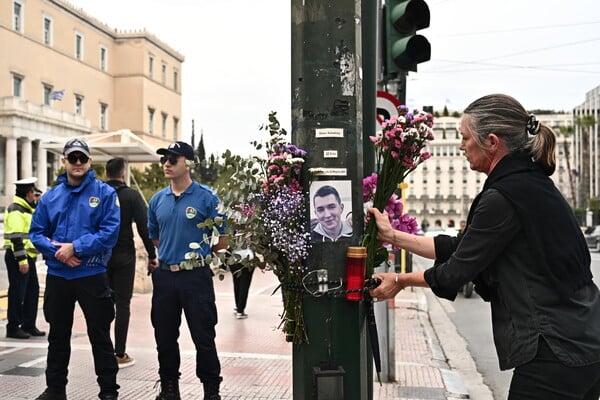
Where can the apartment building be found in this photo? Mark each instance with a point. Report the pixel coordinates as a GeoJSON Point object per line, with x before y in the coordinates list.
{"type": "Point", "coordinates": [63, 73]}
{"type": "Point", "coordinates": [587, 147]}
{"type": "Point", "coordinates": [444, 186]}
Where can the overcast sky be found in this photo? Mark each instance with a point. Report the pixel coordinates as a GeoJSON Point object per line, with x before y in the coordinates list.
{"type": "Point", "coordinates": [546, 53]}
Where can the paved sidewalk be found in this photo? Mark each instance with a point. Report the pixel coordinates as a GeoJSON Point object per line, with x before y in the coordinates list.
{"type": "Point", "coordinates": [256, 360]}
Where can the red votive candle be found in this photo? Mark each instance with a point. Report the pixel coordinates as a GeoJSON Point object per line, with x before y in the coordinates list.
{"type": "Point", "coordinates": [356, 258]}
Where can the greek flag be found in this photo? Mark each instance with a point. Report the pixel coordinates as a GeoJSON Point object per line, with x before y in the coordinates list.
{"type": "Point", "coordinates": [57, 94]}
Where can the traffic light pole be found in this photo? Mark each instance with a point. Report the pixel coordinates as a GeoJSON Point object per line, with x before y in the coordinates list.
{"type": "Point", "coordinates": [328, 111]}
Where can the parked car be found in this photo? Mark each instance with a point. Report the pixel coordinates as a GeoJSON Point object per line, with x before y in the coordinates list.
{"type": "Point", "coordinates": [592, 237]}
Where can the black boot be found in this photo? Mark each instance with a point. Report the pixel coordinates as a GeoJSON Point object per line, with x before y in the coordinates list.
{"type": "Point", "coordinates": [169, 390]}
{"type": "Point", "coordinates": [211, 390]}
{"type": "Point", "coordinates": [50, 395]}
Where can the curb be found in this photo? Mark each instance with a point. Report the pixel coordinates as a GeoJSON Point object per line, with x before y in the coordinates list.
{"type": "Point", "coordinates": [456, 353]}
{"type": "Point", "coordinates": [455, 388]}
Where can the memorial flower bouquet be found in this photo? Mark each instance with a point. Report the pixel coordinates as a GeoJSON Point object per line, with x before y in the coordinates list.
{"type": "Point", "coordinates": [267, 210]}
{"type": "Point", "coordinates": [399, 149]}
{"type": "Point", "coordinates": [400, 221]}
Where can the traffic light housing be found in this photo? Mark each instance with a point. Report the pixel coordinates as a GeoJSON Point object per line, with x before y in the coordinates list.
{"type": "Point", "coordinates": [403, 48]}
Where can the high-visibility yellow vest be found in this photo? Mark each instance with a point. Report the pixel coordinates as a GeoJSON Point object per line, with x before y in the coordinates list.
{"type": "Point", "coordinates": [17, 219]}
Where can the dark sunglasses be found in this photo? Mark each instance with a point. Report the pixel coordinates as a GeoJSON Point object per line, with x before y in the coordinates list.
{"type": "Point", "coordinates": [172, 159]}
{"type": "Point", "coordinates": [73, 158]}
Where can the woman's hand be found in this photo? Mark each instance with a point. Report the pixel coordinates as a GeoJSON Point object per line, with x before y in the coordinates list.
{"type": "Point", "coordinates": [391, 284]}
{"type": "Point", "coordinates": [385, 232]}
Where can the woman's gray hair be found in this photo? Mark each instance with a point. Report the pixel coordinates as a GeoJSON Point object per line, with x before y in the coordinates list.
{"type": "Point", "coordinates": [506, 118]}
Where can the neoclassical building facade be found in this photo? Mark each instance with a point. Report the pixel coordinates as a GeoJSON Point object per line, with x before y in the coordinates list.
{"type": "Point", "coordinates": [444, 186]}
{"type": "Point", "coordinates": [63, 74]}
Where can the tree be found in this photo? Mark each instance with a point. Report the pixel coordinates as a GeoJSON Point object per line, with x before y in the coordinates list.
{"type": "Point", "coordinates": [151, 180]}
{"type": "Point", "coordinates": [585, 122]}
{"type": "Point", "coordinates": [566, 132]}
{"type": "Point", "coordinates": [445, 113]}
{"type": "Point", "coordinates": [207, 171]}
{"type": "Point", "coordinates": [200, 151]}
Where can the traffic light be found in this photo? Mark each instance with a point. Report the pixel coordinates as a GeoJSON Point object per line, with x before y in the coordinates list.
{"type": "Point", "coordinates": [403, 48]}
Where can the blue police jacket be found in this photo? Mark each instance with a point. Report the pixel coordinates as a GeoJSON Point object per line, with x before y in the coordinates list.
{"type": "Point", "coordinates": [87, 215]}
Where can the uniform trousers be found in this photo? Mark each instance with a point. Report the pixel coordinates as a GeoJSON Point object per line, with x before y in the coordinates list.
{"type": "Point", "coordinates": [23, 294]}
{"type": "Point", "coordinates": [185, 291]}
{"type": "Point", "coordinates": [94, 297]}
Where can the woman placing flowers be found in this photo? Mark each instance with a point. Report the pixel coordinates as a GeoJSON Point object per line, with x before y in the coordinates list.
{"type": "Point", "coordinates": [524, 250]}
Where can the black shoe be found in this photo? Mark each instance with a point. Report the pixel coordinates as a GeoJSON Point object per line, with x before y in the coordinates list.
{"type": "Point", "coordinates": [47, 395]}
{"type": "Point", "coordinates": [169, 390]}
{"type": "Point", "coordinates": [211, 390]}
{"type": "Point", "coordinates": [35, 332]}
{"type": "Point", "coordinates": [18, 334]}
{"type": "Point", "coordinates": [109, 396]}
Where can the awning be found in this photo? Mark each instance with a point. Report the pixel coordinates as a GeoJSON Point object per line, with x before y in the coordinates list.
{"type": "Point", "coordinates": [104, 146]}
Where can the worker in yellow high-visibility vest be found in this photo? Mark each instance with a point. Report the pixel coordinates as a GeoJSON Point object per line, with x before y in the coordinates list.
{"type": "Point", "coordinates": [20, 257]}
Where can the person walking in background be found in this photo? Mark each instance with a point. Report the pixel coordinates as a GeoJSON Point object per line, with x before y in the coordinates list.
{"type": "Point", "coordinates": [75, 226]}
{"type": "Point", "coordinates": [329, 225]}
{"type": "Point", "coordinates": [20, 257]}
{"type": "Point", "coordinates": [183, 283]}
{"type": "Point", "coordinates": [242, 278]}
{"type": "Point", "coordinates": [523, 248]}
{"type": "Point", "coordinates": [121, 267]}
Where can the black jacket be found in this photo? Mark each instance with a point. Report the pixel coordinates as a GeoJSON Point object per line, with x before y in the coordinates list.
{"type": "Point", "coordinates": [500, 252]}
{"type": "Point", "coordinates": [133, 209]}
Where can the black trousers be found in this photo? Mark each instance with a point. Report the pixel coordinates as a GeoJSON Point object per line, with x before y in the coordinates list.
{"type": "Point", "coordinates": [121, 275]}
{"type": "Point", "coordinates": [23, 294]}
{"type": "Point", "coordinates": [545, 378]}
{"type": "Point", "coordinates": [242, 278]}
{"type": "Point", "coordinates": [173, 293]}
{"type": "Point", "coordinates": [94, 297]}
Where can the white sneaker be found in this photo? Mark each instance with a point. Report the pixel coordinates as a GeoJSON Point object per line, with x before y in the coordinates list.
{"type": "Point", "coordinates": [241, 315]}
{"type": "Point", "coordinates": [125, 361]}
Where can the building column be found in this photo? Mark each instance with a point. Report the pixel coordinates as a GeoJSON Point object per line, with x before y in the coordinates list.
{"type": "Point", "coordinates": [42, 166]}
{"type": "Point", "coordinates": [26, 158]}
{"type": "Point", "coordinates": [10, 155]}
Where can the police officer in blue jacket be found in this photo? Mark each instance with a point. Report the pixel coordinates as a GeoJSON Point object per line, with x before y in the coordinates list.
{"type": "Point", "coordinates": [75, 226]}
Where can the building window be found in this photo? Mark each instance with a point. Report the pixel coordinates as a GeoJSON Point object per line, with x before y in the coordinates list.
{"type": "Point", "coordinates": [17, 85]}
{"type": "Point", "coordinates": [175, 80]}
{"type": "Point", "coordinates": [18, 16]}
{"type": "Point", "coordinates": [163, 73]}
{"type": "Point", "coordinates": [175, 127]}
{"type": "Point", "coordinates": [103, 58]}
{"type": "Point", "coordinates": [79, 46]}
{"type": "Point", "coordinates": [164, 125]}
{"type": "Point", "coordinates": [47, 91]}
{"type": "Point", "coordinates": [47, 31]}
{"type": "Point", "coordinates": [151, 66]}
{"type": "Point", "coordinates": [103, 116]}
{"type": "Point", "coordinates": [151, 120]}
{"type": "Point", "coordinates": [78, 104]}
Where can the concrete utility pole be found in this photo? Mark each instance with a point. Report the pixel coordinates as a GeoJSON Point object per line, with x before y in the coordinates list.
{"type": "Point", "coordinates": [329, 77]}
